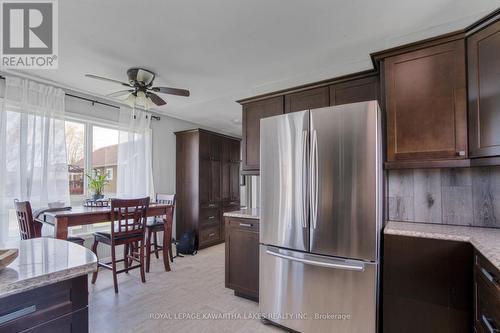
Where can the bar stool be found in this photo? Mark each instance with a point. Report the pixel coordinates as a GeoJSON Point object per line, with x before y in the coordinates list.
{"type": "Point", "coordinates": [159, 224]}
{"type": "Point", "coordinates": [128, 222]}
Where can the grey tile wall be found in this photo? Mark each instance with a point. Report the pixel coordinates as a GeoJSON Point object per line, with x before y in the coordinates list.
{"type": "Point", "coordinates": [462, 196]}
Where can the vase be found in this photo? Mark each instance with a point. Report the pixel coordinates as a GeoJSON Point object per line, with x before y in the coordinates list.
{"type": "Point", "coordinates": [97, 196]}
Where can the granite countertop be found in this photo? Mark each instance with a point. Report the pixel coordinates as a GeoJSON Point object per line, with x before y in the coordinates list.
{"type": "Point", "coordinates": [485, 240]}
{"type": "Point", "coordinates": [244, 213]}
{"type": "Point", "coordinates": [43, 261]}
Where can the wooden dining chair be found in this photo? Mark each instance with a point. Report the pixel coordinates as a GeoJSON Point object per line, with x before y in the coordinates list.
{"type": "Point", "coordinates": [128, 223]}
{"type": "Point", "coordinates": [159, 224]}
{"type": "Point", "coordinates": [30, 227]}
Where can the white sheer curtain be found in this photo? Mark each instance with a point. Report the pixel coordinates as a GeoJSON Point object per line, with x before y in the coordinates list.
{"type": "Point", "coordinates": [33, 163]}
{"type": "Point", "coordinates": [135, 167]}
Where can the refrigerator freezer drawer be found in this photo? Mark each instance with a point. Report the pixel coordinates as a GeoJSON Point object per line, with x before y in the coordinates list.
{"type": "Point", "coordinates": [311, 293]}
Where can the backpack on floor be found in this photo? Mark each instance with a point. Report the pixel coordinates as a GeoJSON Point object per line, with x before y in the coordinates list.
{"type": "Point", "coordinates": [187, 243]}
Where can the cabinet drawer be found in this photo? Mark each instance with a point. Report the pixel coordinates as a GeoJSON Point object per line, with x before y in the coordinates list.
{"type": "Point", "coordinates": [209, 216]}
{"type": "Point", "coordinates": [209, 235]}
{"type": "Point", "coordinates": [487, 307]}
{"type": "Point", "coordinates": [488, 273]}
{"type": "Point", "coordinates": [216, 204]}
{"type": "Point", "coordinates": [31, 308]}
{"type": "Point", "coordinates": [247, 224]}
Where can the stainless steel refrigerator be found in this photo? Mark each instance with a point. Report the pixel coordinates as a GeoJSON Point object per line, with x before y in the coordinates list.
{"type": "Point", "coordinates": [321, 213]}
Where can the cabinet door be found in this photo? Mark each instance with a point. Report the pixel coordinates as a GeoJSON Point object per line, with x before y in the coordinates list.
{"type": "Point", "coordinates": [306, 100]}
{"type": "Point", "coordinates": [427, 285]}
{"type": "Point", "coordinates": [484, 91]}
{"type": "Point", "coordinates": [242, 256]}
{"type": "Point", "coordinates": [226, 181]}
{"type": "Point", "coordinates": [216, 143]}
{"type": "Point", "coordinates": [205, 180]}
{"type": "Point", "coordinates": [426, 103]}
{"type": "Point", "coordinates": [252, 114]}
{"type": "Point", "coordinates": [215, 181]}
{"type": "Point", "coordinates": [360, 90]}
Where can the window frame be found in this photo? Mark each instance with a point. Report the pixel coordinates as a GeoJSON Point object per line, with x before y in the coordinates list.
{"type": "Point", "coordinates": [89, 123]}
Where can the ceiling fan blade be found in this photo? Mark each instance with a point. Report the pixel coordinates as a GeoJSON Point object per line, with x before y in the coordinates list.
{"type": "Point", "coordinates": [156, 99]}
{"type": "Point", "coordinates": [171, 91]}
{"type": "Point", "coordinates": [120, 93]}
{"type": "Point", "coordinates": [92, 76]}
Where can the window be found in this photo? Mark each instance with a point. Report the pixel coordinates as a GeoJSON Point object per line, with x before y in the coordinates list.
{"type": "Point", "coordinates": [91, 149]}
{"type": "Point", "coordinates": [105, 156]}
{"type": "Point", "coordinates": [75, 146]}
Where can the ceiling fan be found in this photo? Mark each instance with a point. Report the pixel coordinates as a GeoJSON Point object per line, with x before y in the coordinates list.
{"type": "Point", "coordinates": [140, 88]}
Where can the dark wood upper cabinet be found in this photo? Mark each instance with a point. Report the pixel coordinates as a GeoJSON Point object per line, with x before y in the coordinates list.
{"type": "Point", "coordinates": [253, 112]}
{"type": "Point", "coordinates": [483, 48]}
{"type": "Point", "coordinates": [360, 90]}
{"type": "Point", "coordinates": [426, 103]}
{"type": "Point", "coordinates": [307, 99]}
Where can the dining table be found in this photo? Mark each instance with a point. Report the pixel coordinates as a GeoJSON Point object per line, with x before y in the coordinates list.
{"type": "Point", "coordinates": [61, 220]}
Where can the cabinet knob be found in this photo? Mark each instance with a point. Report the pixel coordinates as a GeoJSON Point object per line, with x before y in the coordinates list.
{"type": "Point", "coordinates": [461, 153]}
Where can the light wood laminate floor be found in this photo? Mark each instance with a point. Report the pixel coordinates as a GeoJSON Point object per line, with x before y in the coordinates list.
{"type": "Point", "coordinates": [194, 288]}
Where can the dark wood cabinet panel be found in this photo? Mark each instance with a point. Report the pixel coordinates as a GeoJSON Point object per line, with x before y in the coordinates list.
{"type": "Point", "coordinates": [483, 50]}
{"type": "Point", "coordinates": [426, 285]}
{"type": "Point", "coordinates": [207, 182]}
{"type": "Point", "coordinates": [252, 114]}
{"type": "Point", "coordinates": [231, 171]}
{"type": "Point", "coordinates": [359, 90]}
{"type": "Point", "coordinates": [242, 256]}
{"type": "Point", "coordinates": [426, 103]}
{"type": "Point", "coordinates": [487, 295]}
{"type": "Point", "coordinates": [307, 99]}
{"type": "Point", "coordinates": [58, 307]}
{"type": "Point", "coordinates": [215, 181]}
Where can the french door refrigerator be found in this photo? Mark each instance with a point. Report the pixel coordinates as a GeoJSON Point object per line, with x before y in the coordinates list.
{"type": "Point", "coordinates": [321, 215]}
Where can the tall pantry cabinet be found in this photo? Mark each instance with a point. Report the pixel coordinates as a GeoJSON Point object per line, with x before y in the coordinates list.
{"type": "Point", "coordinates": [207, 183]}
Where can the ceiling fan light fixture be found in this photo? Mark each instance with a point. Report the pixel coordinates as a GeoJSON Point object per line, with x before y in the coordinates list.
{"type": "Point", "coordinates": [130, 100]}
{"type": "Point", "coordinates": [149, 104]}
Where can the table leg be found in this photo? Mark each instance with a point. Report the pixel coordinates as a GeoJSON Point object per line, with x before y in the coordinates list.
{"type": "Point", "coordinates": [167, 238]}
{"type": "Point", "coordinates": [61, 228]}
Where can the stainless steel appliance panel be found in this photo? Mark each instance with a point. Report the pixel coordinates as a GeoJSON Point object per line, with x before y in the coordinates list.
{"type": "Point", "coordinates": [312, 293]}
{"type": "Point", "coordinates": [284, 142]}
{"type": "Point", "coordinates": [345, 181]}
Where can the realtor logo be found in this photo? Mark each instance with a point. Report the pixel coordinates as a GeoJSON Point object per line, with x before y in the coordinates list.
{"type": "Point", "coordinates": [29, 34]}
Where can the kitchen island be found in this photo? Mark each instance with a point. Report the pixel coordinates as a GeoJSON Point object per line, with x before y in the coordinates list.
{"type": "Point", "coordinates": [45, 288]}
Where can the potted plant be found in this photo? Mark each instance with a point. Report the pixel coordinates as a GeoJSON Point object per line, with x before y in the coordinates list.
{"type": "Point", "coordinates": [97, 183]}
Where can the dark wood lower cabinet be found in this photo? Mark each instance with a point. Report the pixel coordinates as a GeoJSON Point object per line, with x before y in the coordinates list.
{"type": "Point", "coordinates": [486, 295]}
{"type": "Point", "coordinates": [426, 285]}
{"type": "Point", "coordinates": [242, 257]}
{"type": "Point", "coordinates": [60, 307]}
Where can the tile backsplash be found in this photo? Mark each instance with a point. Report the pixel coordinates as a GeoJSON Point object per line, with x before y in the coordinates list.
{"type": "Point", "coordinates": [462, 196]}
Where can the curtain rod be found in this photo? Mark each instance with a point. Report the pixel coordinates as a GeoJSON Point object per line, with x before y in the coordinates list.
{"type": "Point", "coordinates": [93, 101]}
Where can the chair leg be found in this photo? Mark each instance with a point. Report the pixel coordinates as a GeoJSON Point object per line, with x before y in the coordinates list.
{"type": "Point", "coordinates": [141, 255]}
{"type": "Point", "coordinates": [94, 249]}
{"type": "Point", "coordinates": [148, 248]}
{"type": "Point", "coordinates": [156, 245]}
{"type": "Point", "coordinates": [113, 265]}
{"type": "Point", "coordinates": [125, 256]}
{"type": "Point", "coordinates": [166, 247]}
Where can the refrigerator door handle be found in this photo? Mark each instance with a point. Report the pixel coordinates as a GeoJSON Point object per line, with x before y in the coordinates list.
{"type": "Point", "coordinates": [314, 178]}
{"type": "Point", "coordinates": [309, 260]}
{"type": "Point", "coordinates": [305, 197]}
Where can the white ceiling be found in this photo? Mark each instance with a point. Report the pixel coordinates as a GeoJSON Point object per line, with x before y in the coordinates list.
{"type": "Point", "coordinates": [224, 50]}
